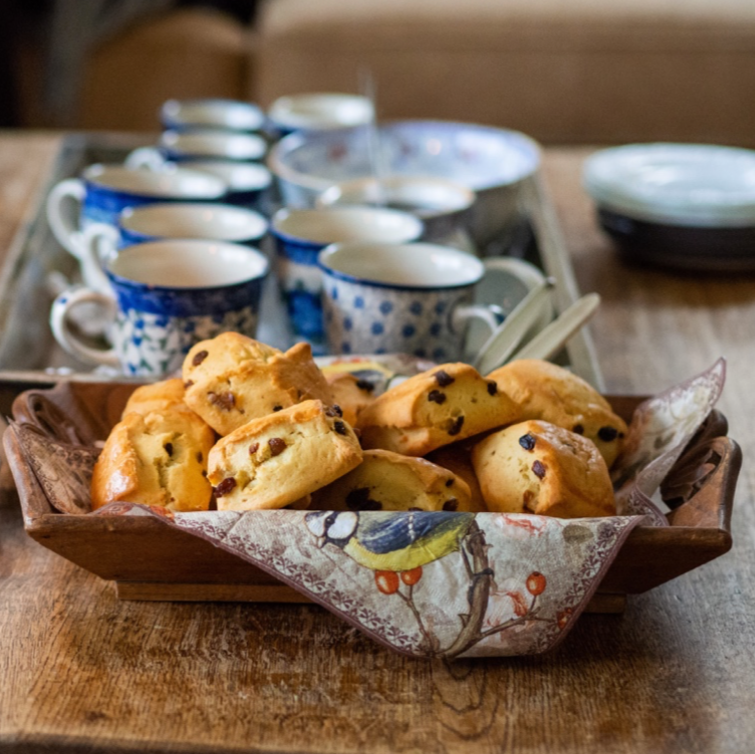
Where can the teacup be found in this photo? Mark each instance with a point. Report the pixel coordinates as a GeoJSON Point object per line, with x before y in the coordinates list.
{"type": "Point", "coordinates": [443, 206]}
{"type": "Point", "coordinates": [201, 144]}
{"type": "Point", "coordinates": [104, 191]}
{"type": "Point", "coordinates": [405, 298]}
{"type": "Point", "coordinates": [157, 222]}
{"type": "Point", "coordinates": [319, 111]}
{"type": "Point", "coordinates": [301, 234]}
{"type": "Point", "coordinates": [164, 297]}
{"type": "Point", "coordinates": [211, 112]}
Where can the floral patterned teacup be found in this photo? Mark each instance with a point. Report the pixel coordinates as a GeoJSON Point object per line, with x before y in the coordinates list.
{"type": "Point", "coordinates": [166, 296]}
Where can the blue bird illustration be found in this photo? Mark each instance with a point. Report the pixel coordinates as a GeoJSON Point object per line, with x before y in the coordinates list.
{"type": "Point", "coordinates": [391, 541]}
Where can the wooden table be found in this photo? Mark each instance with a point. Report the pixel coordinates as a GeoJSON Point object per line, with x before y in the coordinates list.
{"type": "Point", "coordinates": [80, 671]}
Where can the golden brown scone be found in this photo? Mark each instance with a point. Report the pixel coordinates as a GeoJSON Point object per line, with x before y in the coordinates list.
{"type": "Point", "coordinates": [551, 393]}
{"type": "Point", "coordinates": [351, 394]}
{"type": "Point", "coordinates": [156, 396]}
{"type": "Point", "coordinates": [457, 459]}
{"type": "Point", "coordinates": [232, 379]}
{"type": "Point", "coordinates": [442, 405]}
{"type": "Point", "coordinates": [277, 459]}
{"type": "Point", "coordinates": [393, 482]}
{"type": "Point", "coordinates": [537, 467]}
{"type": "Point", "coordinates": [158, 458]}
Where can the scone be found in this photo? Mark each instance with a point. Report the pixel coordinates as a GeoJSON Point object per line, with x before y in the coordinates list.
{"type": "Point", "coordinates": [457, 459]}
{"type": "Point", "coordinates": [351, 394]}
{"type": "Point", "coordinates": [275, 460]}
{"type": "Point", "coordinates": [537, 467]}
{"type": "Point", "coordinates": [232, 379]}
{"type": "Point", "coordinates": [393, 482]}
{"type": "Point", "coordinates": [157, 396]}
{"type": "Point", "coordinates": [435, 408]}
{"type": "Point", "coordinates": [157, 458]}
{"type": "Point", "coordinates": [551, 393]}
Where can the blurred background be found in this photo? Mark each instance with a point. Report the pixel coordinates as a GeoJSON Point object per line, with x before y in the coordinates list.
{"type": "Point", "coordinates": [585, 71]}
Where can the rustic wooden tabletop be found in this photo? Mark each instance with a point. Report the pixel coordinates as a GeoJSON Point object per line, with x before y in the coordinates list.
{"type": "Point", "coordinates": [81, 671]}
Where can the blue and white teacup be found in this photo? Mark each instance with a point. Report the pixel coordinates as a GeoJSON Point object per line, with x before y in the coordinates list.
{"type": "Point", "coordinates": [104, 191]}
{"type": "Point", "coordinates": [202, 144]}
{"type": "Point", "coordinates": [158, 222]}
{"type": "Point", "coordinates": [301, 234]}
{"type": "Point", "coordinates": [211, 112]}
{"type": "Point", "coordinates": [319, 111]}
{"type": "Point", "coordinates": [164, 297]}
{"type": "Point", "coordinates": [444, 207]}
{"type": "Point", "coordinates": [412, 298]}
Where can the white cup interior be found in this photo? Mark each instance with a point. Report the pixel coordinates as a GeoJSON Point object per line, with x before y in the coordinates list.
{"type": "Point", "coordinates": [188, 264]}
{"type": "Point", "coordinates": [425, 197]}
{"type": "Point", "coordinates": [240, 176]}
{"type": "Point", "coordinates": [211, 221]}
{"type": "Point", "coordinates": [169, 182]}
{"type": "Point", "coordinates": [321, 111]}
{"type": "Point", "coordinates": [219, 113]}
{"type": "Point", "coordinates": [215, 143]}
{"type": "Point", "coordinates": [412, 265]}
{"type": "Point", "coordinates": [344, 224]}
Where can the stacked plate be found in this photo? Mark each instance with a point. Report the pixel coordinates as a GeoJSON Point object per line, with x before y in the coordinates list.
{"type": "Point", "coordinates": [686, 206]}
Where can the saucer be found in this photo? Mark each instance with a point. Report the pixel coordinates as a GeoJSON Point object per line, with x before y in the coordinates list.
{"type": "Point", "coordinates": [685, 206]}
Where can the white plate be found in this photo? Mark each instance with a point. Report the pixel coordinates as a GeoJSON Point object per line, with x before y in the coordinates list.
{"type": "Point", "coordinates": [678, 184]}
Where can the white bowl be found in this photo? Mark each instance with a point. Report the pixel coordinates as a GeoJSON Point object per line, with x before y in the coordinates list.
{"type": "Point", "coordinates": [493, 162]}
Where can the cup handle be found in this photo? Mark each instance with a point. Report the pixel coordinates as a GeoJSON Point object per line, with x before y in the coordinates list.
{"type": "Point", "coordinates": [98, 243]}
{"type": "Point", "coordinates": [529, 275]}
{"type": "Point", "coordinates": [145, 157]}
{"type": "Point", "coordinates": [61, 308]}
{"type": "Point", "coordinates": [65, 231]}
{"type": "Point", "coordinates": [492, 316]}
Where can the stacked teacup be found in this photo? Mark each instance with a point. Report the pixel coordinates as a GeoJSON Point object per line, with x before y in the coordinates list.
{"type": "Point", "coordinates": [166, 245]}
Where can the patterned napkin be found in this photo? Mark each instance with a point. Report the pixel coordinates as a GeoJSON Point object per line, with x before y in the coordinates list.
{"type": "Point", "coordinates": [431, 583]}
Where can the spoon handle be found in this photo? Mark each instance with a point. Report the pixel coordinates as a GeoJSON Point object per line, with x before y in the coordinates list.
{"type": "Point", "coordinates": [551, 338]}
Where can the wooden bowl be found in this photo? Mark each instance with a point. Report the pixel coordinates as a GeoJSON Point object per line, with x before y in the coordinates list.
{"type": "Point", "coordinates": [150, 561]}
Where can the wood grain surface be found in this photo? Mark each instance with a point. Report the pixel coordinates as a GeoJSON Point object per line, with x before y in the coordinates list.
{"type": "Point", "coordinates": [82, 671]}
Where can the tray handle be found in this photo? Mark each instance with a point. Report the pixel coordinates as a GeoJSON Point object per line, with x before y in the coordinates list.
{"type": "Point", "coordinates": [700, 487]}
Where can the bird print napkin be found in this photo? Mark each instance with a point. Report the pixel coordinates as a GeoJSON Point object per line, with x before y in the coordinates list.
{"type": "Point", "coordinates": [430, 584]}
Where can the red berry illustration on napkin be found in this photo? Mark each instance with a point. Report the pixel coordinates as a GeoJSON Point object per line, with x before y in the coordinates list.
{"type": "Point", "coordinates": [536, 583]}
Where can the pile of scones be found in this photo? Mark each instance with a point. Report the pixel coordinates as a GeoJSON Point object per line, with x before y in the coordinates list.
{"type": "Point", "coordinates": [249, 427]}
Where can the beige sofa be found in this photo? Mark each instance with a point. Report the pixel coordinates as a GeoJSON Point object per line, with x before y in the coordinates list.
{"type": "Point", "coordinates": [563, 71]}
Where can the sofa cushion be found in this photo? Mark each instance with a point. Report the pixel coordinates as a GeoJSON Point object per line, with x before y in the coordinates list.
{"type": "Point", "coordinates": [580, 71]}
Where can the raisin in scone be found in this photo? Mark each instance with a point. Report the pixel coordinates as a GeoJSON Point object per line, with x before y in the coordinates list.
{"type": "Point", "coordinates": [156, 458]}
{"type": "Point", "coordinates": [232, 379]}
{"type": "Point", "coordinates": [277, 459]}
{"type": "Point", "coordinates": [351, 394]}
{"type": "Point", "coordinates": [157, 396]}
{"type": "Point", "coordinates": [551, 393]}
{"type": "Point", "coordinates": [442, 405]}
{"type": "Point", "coordinates": [537, 467]}
{"type": "Point", "coordinates": [394, 482]}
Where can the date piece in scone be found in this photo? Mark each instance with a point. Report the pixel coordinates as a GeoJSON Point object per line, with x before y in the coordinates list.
{"type": "Point", "coordinates": [277, 459]}
{"type": "Point", "coordinates": [351, 394]}
{"type": "Point", "coordinates": [157, 396]}
{"type": "Point", "coordinates": [537, 467]}
{"type": "Point", "coordinates": [551, 393]}
{"type": "Point", "coordinates": [388, 481]}
{"type": "Point", "coordinates": [442, 405]}
{"type": "Point", "coordinates": [158, 458]}
{"type": "Point", "coordinates": [233, 379]}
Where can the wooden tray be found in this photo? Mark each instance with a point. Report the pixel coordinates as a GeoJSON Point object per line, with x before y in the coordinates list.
{"type": "Point", "coordinates": [150, 561]}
